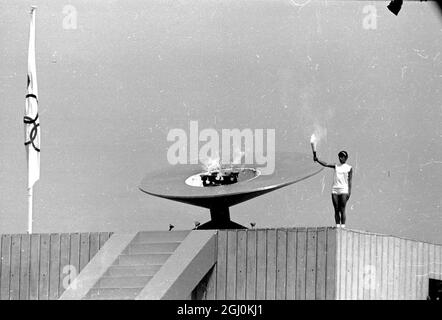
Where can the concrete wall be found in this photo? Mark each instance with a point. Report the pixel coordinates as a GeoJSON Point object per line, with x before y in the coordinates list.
{"type": "Point", "coordinates": [272, 264]}
{"type": "Point", "coordinates": [322, 263]}
{"type": "Point", "coordinates": [39, 266]}
{"type": "Point", "coordinates": [297, 263]}
{"type": "Point", "coordinates": [374, 266]}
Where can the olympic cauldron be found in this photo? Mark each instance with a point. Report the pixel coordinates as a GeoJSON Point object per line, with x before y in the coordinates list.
{"type": "Point", "coordinates": [218, 190]}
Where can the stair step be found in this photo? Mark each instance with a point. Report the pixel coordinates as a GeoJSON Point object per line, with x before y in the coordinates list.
{"type": "Point", "coordinates": [132, 271]}
{"type": "Point", "coordinates": [164, 247]}
{"type": "Point", "coordinates": [142, 259]}
{"type": "Point", "coordinates": [122, 282]}
{"type": "Point", "coordinates": [161, 236]}
{"type": "Point", "coordinates": [113, 293]}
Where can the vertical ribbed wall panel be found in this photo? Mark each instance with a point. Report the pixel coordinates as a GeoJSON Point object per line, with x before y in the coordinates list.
{"type": "Point", "coordinates": [39, 266]}
{"type": "Point", "coordinates": [298, 263]}
{"type": "Point", "coordinates": [251, 264]}
{"type": "Point", "coordinates": [321, 265]}
{"type": "Point", "coordinates": [241, 264]}
{"type": "Point", "coordinates": [281, 263]}
{"type": "Point", "coordinates": [381, 267]}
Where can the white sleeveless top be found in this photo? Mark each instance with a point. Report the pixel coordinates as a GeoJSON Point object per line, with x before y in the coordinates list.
{"type": "Point", "coordinates": [340, 179]}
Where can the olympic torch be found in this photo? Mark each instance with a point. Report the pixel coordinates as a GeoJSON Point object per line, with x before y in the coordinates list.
{"type": "Point", "coordinates": [313, 144]}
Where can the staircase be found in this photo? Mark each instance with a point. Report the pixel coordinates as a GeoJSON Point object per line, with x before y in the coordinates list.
{"type": "Point", "coordinates": [136, 265]}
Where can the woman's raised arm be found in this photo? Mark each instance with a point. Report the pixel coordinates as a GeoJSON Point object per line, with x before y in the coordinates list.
{"type": "Point", "coordinates": [323, 163]}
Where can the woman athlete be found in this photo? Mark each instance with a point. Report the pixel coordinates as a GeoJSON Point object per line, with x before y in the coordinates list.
{"type": "Point", "coordinates": [341, 189]}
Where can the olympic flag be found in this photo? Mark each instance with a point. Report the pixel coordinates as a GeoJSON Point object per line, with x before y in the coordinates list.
{"type": "Point", "coordinates": [31, 121]}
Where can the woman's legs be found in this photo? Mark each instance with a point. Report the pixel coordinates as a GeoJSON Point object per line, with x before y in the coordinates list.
{"type": "Point", "coordinates": [342, 203]}
{"type": "Point", "coordinates": [335, 200]}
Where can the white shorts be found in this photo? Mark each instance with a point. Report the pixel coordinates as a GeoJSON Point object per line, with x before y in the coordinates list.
{"type": "Point", "coordinates": [339, 191]}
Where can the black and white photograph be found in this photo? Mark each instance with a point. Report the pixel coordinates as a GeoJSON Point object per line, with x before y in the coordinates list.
{"type": "Point", "coordinates": [236, 151]}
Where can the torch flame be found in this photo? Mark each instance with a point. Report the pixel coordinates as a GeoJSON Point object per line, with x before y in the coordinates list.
{"type": "Point", "coordinates": [215, 163]}
{"type": "Point", "coordinates": [317, 135]}
{"type": "Point", "coordinates": [212, 164]}
{"type": "Point", "coordinates": [313, 141]}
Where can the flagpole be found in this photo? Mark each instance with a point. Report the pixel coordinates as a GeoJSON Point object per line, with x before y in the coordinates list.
{"type": "Point", "coordinates": [32, 135]}
{"type": "Point", "coordinates": [30, 196]}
